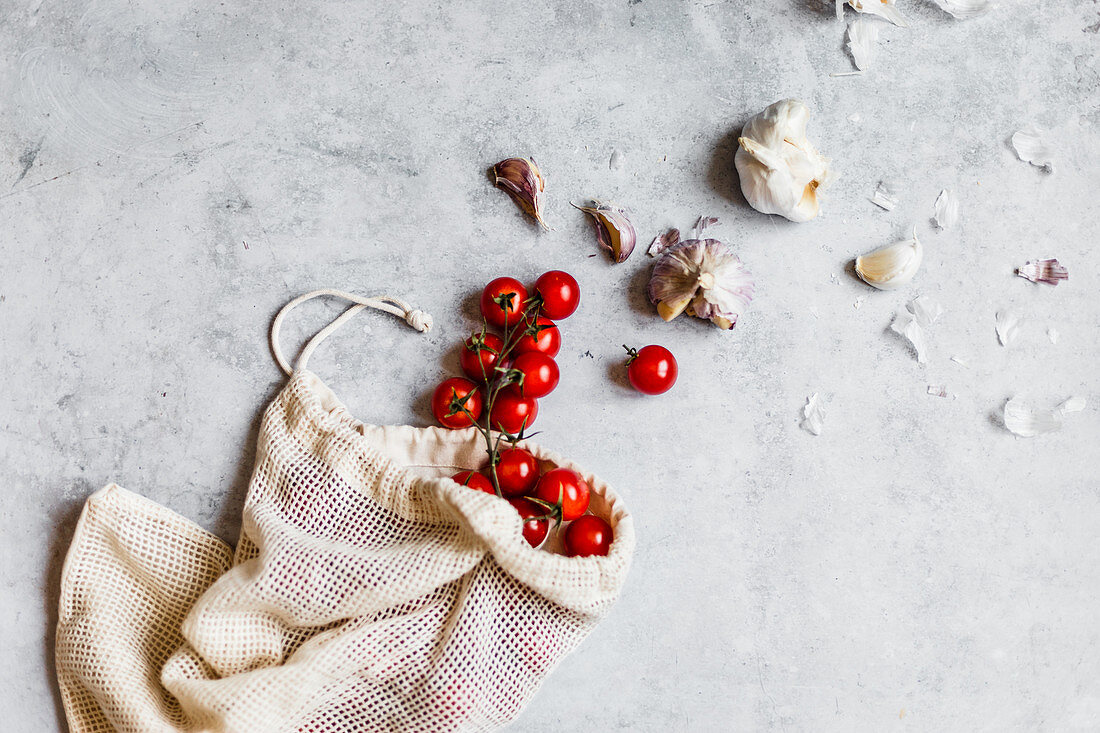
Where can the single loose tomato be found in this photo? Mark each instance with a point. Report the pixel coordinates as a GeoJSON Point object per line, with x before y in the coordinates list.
{"type": "Point", "coordinates": [503, 301]}
{"type": "Point", "coordinates": [540, 374]}
{"type": "Point", "coordinates": [560, 294]}
{"type": "Point", "coordinates": [517, 471]}
{"type": "Point", "coordinates": [450, 397]}
{"type": "Point", "coordinates": [512, 412]}
{"type": "Point", "coordinates": [480, 355]}
{"type": "Point", "coordinates": [587, 535]}
{"type": "Point", "coordinates": [534, 530]}
{"type": "Point", "coordinates": [475, 481]}
{"type": "Point", "coordinates": [566, 486]}
{"type": "Point", "coordinates": [652, 369]}
{"type": "Point", "coordinates": [541, 336]}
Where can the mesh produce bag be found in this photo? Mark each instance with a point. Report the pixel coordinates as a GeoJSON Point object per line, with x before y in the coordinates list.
{"type": "Point", "coordinates": [368, 592]}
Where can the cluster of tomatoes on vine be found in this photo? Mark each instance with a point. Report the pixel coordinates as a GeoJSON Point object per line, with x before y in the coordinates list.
{"type": "Point", "coordinates": [509, 365]}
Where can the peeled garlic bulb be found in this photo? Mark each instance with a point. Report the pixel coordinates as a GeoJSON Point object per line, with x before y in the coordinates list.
{"type": "Point", "coordinates": [780, 169]}
{"type": "Point", "coordinates": [704, 278]}
{"type": "Point", "coordinates": [892, 266]}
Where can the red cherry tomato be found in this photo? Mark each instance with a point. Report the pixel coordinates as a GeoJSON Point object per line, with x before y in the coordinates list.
{"type": "Point", "coordinates": [480, 355]}
{"type": "Point", "coordinates": [534, 530]}
{"type": "Point", "coordinates": [503, 301]}
{"type": "Point", "coordinates": [652, 369]}
{"type": "Point", "coordinates": [448, 399]}
{"type": "Point", "coordinates": [560, 294]}
{"type": "Point", "coordinates": [587, 535]}
{"type": "Point", "coordinates": [546, 338]}
{"type": "Point", "coordinates": [513, 412]}
{"type": "Point", "coordinates": [517, 471]}
{"type": "Point", "coordinates": [569, 487]}
{"type": "Point", "coordinates": [475, 481]}
{"type": "Point", "coordinates": [540, 374]}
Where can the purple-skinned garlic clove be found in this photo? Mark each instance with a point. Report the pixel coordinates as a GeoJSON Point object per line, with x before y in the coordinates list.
{"type": "Point", "coordinates": [520, 178]}
{"type": "Point", "coordinates": [614, 231]}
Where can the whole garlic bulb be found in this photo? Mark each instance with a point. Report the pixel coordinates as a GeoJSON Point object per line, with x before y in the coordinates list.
{"type": "Point", "coordinates": [703, 277]}
{"type": "Point", "coordinates": [780, 169]}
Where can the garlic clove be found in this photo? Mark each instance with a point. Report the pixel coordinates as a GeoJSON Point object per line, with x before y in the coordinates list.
{"type": "Point", "coordinates": [892, 266]}
{"type": "Point", "coordinates": [704, 278]}
{"type": "Point", "coordinates": [882, 8]}
{"type": "Point", "coordinates": [520, 178]}
{"type": "Point", "coordinates": [780, 170]}
{"type": "Point", "coordinates": [614, 231]}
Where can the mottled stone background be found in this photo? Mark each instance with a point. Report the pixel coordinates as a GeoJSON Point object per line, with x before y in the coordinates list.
{"type": "Point", "coordinates": [172, 172]}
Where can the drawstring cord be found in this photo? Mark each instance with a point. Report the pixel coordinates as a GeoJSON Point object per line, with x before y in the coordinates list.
{"type": "Point", "coordinates": [416, 318]}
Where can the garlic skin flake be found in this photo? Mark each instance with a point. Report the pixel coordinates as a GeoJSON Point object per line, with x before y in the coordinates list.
{"type": "Point", "coordinates": [882, 8]}
{"type": "Point", "coordinates": [1008, 327]}
{"type": "Point", "coordinates": [862, 42]}
{"type": "Point", "coordinates": [946, 210]}
{"type": "Point", "coordinates": [704, 278]}
{"type": "Point", "coordinates": [813, 415]}
{"type": "Point", "coordinates": [886, 195]}
{"type": "Point", "coordinates": [520, 178]}
{"type": "Point", "coordinates": [780, 170]}
{"type": "Point", "coordinates": [663, 241]}
{"type": "Point", "coordinates": [964, 9]}
{"type": "Point", "coordinates": [1031, 148]}
{"type": "Point", "coordinates": [1027, 422]}
{"type": "Point", "coordinates": [614, 231]}
{"type": "Point", "coordinates": [1048, 272]}
{"type": "Point", "coordinates": [913, 322]}
{"type": "Point", "coordinates": [892, 266]}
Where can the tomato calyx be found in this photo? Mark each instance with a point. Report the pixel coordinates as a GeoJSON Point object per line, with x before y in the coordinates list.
{"type": "Point", "coordinates": [458, 404]}
{"type": "Point", "coordinates": [504, 301]}
{"type": "Point", "coordinates": [553, 511]}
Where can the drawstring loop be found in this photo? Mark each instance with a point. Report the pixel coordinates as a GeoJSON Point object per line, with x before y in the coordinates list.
{"type": "Point", "coordinates": [416, 318]}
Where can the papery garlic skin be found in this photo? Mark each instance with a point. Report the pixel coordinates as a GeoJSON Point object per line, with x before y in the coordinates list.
{"type": "Point", "coordinates": [780, 170]}
{"type": "Point", "coordinates": [963, 9]}
{"type": "Point", "coordinates": [882, 8]}
{"type": "Point", "coordinates": [704, 278]}
{"type": "Point", "coordinates": [520, 178]}
{"type": "Point", "coordinates": [892, 266]}
{"type": "Point", "coordinates": [862, 42]}
{"type": "Point", "coordinates": [614, 231]}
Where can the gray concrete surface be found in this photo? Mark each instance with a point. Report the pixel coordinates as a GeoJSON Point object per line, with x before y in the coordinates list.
{"type": "Point", "coordinates": [173, 172]}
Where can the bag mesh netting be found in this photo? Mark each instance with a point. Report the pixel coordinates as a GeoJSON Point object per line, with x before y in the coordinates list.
{"type": "Point", "coordinates": [367, 592]}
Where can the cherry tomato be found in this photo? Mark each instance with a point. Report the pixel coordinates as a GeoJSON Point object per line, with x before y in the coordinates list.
{"type": "Point", "coordinates": [546, 341]}
{"type": "Point", "coordinates": [587, 535]}
{"type": "Point", "coordinates": [512, 412]}
{"type": "Point", "coordinates": [480, 355]}
{"type": "Point", "coordinates": [652, 369]}
{"type": "Point", "coordinates": [448, 399]}
{"type": "Point", "coordinates": [560, 294]}
{"type": "Point", "coordinates": [517, 471]}
{"type": "Point", "coordinates": [569, 487]}
{"type": "Point", "coordinates": [475, 481]}
{"type": "Point", "coordinates": [540, 374]}
{"type": "Point", "coordinates": [503, 301]}
{"type": "Point", "coordinates": [534, 530]}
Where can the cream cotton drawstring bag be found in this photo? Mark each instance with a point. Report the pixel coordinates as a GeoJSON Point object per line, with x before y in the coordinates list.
{"type": "Point", "coordinates": [368, 592]}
